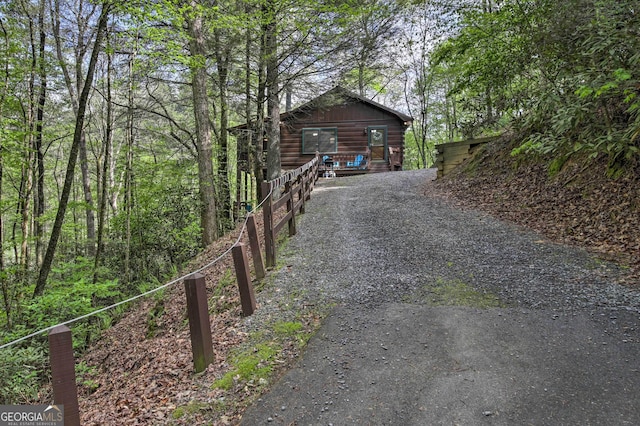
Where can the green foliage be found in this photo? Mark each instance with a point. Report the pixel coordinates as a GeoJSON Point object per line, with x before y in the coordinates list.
{"type": "Point", "coordinates": [84, 374]}
{"type": "Point", "coordinates": [154, 315]}
{"type": "Point", "coordinates": [556, 165]}
{"type": "Point", "coordinates": [564, 73]}
{"type": "Point", "coordinates": [421, 152]}
{"type": "Point", "coordinates": [71, 294]}
{"type": "Point", "coordinates": [220, 300]}
{"type": "Point", "coordinates": [193, 407]}
{"type": "Point", "coordinates": [20, 378]}
{"type": "Point", "coordinates": [256, 362]}
{"type": "Point", "coordinates": [292, 330]}
{"type": "Point", "coordinates": [165, 226]}
{"type": "Point", "coordinates": [457, 293]}
{"type": "Point", "coordinates": [287, 328]}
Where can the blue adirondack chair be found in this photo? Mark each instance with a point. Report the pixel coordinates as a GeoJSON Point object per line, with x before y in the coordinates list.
{"type": "Point", "coordinates": [356, 162]}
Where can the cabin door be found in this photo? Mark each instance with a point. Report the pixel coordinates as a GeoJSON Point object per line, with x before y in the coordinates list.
{"type": "Point", "coordinates": [377, 136]}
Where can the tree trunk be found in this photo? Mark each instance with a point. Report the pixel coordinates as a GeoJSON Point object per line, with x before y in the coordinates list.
{"type": "Point", "coordinates": [128, 177]}
{"type": "Point", "coordinates": [106, 160]}
{"type": "Point", "coordinates": [224, 195]}
{"type": "Point", "coordinates": [273, 101]}
{"type": "Point", "coordinates": [26, 183]}
{"type": "Point", "coordinates": [4, 283]}
{"type": "Point", "coordinates": [208, 214]}
{"type": "Point", "coordinates": [259, 125]}
{"type": "Point", "coordinates": [39, 200]}
{"type": "Point", "coordinates": [248, 141]}
{"type": "Point", "coordinates": [84, 164]}
{"type": "Point", "coordinates": [73, 155]}
{"type": "Point", "coordinates": [88, 197]}
{"type": "Point", "coordinates": [25, 197]}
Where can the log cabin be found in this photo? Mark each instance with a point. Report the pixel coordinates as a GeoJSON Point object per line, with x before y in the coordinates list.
{"type": "Point", "coordinates": [352, 134]}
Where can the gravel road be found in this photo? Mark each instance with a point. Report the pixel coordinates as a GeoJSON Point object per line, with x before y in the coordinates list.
{"type": "Point", "coordinates": [446, 316]}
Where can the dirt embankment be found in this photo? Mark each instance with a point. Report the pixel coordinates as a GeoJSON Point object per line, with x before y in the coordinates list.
{"type": "Point", "coordinates": [572, 202]}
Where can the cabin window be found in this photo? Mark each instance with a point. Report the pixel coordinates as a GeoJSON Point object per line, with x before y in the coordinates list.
{"type": "Point", "coordinates": [322, 140]}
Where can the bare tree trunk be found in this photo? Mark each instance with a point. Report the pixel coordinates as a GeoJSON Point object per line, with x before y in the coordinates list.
{"type": "Point", "coordinates": [249, 141]}
{"type": "Point", "coordinates": [73, 154]}
{"type": "Point", "coordinates": [208, 213]}
{"type": "Point", "coordinates": [113, 191]}
{"type": "Point", "coordinates": [39, 199]}
{"type": "Point", "coordinates": [361, 71]}
{"type": "Point", "coordinates": [106, 160]}
{"type": "Point", "coordinates": [224, 195]}
{"type": "Point", "coordinates": [4, 283]}
{"type": "Point", "coordinates": [128, 178]}
{"type": "Point", "coordinates": [26, 183]}
{"type": "Point", "coordinates": [84, 164]}
{"type": "Point", "coordinates": [273, 101]}
{"type": "Point", "coordinates": [259, 125]}
{"type": "Point", "coordinates": [128, 207]}
{"type": "Point", "coordinates": [25, 197]}
{"type": "Point", "coordinates": [88, 198]}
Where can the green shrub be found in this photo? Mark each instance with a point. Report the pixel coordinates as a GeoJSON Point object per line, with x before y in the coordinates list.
{"type": "Point", "coordinates": [21, 374]}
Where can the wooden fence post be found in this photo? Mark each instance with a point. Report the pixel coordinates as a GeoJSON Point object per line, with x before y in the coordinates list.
{"type": "Point", "coordinates": [302, 195]}
{"type": "Point", "coordinates": [269, 238]}
{"type": "Point", "coordinates": [247, 297]}
{"type": "Point", "coordinates": [199, 326]}
{"type": "Point", "coordinates": [254, 245]}
{"type": "Point", "coordinates": [313, 177]}
{"type": "Point", "coordinates": [288, 189]}
{"type": "Point", "coordinates": [63, 373]}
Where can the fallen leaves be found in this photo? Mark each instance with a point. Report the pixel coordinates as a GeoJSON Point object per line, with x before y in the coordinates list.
{"type": "Point", "coordinates": [578, 206]}
{"type": "Point", "coordinates": [141, 370]}
{"type": "Point", "coordinates": [143, 378]}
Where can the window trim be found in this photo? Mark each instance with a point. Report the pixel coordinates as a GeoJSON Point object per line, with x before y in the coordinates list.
{"type": "Point", "coordinates": [334, 130]}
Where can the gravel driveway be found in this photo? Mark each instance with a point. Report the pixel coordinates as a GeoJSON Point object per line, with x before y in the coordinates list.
{"type": "Point", "coordinates": [448, 316]}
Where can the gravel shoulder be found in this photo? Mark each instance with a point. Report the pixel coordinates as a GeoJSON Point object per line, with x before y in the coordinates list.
{"type": "Point", "coordinates": [447, 316]}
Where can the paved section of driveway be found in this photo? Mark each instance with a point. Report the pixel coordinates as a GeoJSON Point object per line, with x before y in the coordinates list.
{"type": "Point", "coordinates": [449, 317]}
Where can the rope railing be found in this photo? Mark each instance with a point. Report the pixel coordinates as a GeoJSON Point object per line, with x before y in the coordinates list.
{"type": "Point", "coordinates": [298, 182]}
{"type": "Point", "coordinates": [146, 293]}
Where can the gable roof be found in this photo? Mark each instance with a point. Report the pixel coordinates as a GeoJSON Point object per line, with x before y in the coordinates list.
{"type": "Point", "coordinates": [337, 96]}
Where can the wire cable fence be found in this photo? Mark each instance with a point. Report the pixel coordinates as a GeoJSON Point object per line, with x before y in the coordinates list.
{"type": "Point", "coordinates": [275, 183]}
{"type": "Point", "coordinates": [146, 293]}
{"type": "Point", "coordinates": [290, 190]}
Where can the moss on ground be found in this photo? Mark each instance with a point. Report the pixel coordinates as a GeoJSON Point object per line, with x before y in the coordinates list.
{"type": "Point", "coordinates": [256, 362]}
{"type": "Point", "coordinates": [457, 293]}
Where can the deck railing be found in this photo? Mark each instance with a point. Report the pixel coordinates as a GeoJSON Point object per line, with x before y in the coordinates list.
{"type": "Point", "coordinates": [345, 161]}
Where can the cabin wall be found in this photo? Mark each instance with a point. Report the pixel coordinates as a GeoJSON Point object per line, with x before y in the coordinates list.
{"type": "Point", "coordinates": [351, 120]}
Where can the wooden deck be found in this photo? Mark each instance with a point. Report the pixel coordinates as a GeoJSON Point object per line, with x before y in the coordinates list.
{"type": "Point", "coordinates": [356, 163]}
{"type": "Point", "coordinates": [345, 163]}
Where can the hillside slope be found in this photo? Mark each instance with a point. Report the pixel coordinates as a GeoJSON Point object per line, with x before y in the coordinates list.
{"type": "Point", "coordinates": [578, 204]}
{"type": "Point", "coordinates": [141, 373]}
